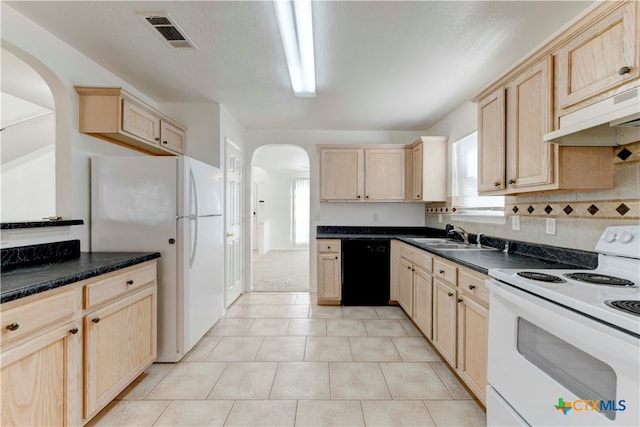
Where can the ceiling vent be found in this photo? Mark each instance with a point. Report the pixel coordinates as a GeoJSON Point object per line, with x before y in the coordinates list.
{"type": "Point", "coordinates": [165, 27]}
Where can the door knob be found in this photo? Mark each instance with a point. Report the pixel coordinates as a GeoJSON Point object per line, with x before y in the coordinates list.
{"type": "Point", "coordinates": [497, 183]}
{"type": "Point", "coordinates": [229, 234]}
{"type": "Point", "coordinates": [512, 181]}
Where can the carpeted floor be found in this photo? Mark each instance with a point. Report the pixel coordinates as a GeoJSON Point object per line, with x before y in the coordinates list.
{"type": "Point", "coordinates": [281, 271]}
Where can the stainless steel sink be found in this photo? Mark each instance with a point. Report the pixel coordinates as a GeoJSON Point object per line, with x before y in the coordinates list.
{"type": "Point", "coordinates": [447, 244]}
{"type": "Point", "coordinates": [431, 240]}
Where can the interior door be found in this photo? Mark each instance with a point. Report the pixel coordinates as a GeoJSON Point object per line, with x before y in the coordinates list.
{"type": "Point", "coordinates": [233, 223]}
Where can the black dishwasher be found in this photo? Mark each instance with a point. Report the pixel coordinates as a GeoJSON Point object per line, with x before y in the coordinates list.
{"type": "Point", "coordinates": [365, 271]}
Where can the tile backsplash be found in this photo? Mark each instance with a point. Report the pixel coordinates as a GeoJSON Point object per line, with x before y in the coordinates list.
{"type": "Point", "coordinates": [581, 216]}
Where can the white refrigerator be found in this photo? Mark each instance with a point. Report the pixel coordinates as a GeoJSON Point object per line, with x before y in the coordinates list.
{"type": "Point", "coordinates": [171, 205]}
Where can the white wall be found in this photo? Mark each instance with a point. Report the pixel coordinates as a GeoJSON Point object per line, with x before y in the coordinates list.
{"type": "Point", "coordinates": [202, 121]}
{"type": "Point", "coordinates": [361, 214]}
{"type": "Point", "coordinates": [63, 67]}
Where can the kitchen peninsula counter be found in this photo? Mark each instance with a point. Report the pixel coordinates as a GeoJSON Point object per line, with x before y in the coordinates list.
{"type": "Point", "coordinates": [23, 281]}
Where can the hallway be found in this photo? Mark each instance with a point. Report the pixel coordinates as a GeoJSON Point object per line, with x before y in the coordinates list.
{"type": "Point", "coordinates": [277, 359]}
{"type": "Point", "coordinates": [281, 271]}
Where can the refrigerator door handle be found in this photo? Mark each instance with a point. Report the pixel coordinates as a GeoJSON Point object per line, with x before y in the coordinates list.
{"type": "Point", "coordinates": [194, 248]}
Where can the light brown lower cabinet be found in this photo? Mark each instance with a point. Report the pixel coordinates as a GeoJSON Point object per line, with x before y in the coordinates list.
{"type": "Point", "coordinates": [450, 306]}
{"type": "Point", "coordinates": [100, 333]}
{"type": "Point", "coordinates": [40, 379]}
{"type": "Point", "coordinates": [119, 345]}
{"type": "Point", "coordinates": [444, 320]}
{"type": "Point", "coordinates": [473, 320]}
{"type": "Point", "coordinates": [329, 272]}
{"type": "Point", "coordinates": [423, 301]}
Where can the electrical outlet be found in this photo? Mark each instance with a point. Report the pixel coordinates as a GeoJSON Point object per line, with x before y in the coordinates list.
{"type": "Point", "coordinates": [551, 226]}
{"type": "Point", "coordinates": [440, 218]}
{"type": "Point", "coordinates": [375, 217]}
{"type": "Point", "coordinates": [515, 223]}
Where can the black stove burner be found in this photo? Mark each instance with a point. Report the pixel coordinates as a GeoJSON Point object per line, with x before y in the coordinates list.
{"type": "Point", "coordinates": [541, 277]}
{"type": "Point", "coordinates": [628, 306]}
{"type": "Point", "coordinates": [599, 279]}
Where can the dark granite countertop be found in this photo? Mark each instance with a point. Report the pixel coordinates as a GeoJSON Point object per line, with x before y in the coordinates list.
{"type": "Point", "coordinates": [482, 261]}
{"type": "Point", "coordinates": [522, 255]}
{"type": "Point", "coordinates": [23, 281]}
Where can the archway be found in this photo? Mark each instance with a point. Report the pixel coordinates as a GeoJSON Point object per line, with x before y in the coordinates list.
{"type": "Point", "coordinates": [280, 218]}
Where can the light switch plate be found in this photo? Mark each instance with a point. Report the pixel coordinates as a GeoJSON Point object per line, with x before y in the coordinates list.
{"type": "Point", "coordinates": [439, 218]}
{"type": "Point", "coordinates": [550, 226]}
{"type": "Point", "coordinates": [515, 223]}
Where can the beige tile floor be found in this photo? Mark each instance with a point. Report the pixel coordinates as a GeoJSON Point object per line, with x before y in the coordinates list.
{"type": "Point", "coordinates": [277, 359]}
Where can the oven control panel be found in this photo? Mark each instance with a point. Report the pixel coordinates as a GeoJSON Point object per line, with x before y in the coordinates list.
{"type": "Point", "coordinates": [623, 240]}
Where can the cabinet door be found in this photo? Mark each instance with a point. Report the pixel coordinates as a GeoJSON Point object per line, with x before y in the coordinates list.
{"type": "Point", "coordinates": [423, 301]}
{"type": "Point", "coordinates": [329, 277]}
{"type": "Point", "coordinates": [140, 122]}
{"type": "Point", "coordinates": [172, 137]}
{"type": "Point", "coordinates": [603, 57]}
{"type": "Point", "coordinates": [529, 112]}
{"type": "Point", "coordinates": [491, 142]}
{"type": "Point", "coordinates": [384, 174]}
{"type": "Point", "coordinates": [472, 345]}
{"type": "Point", "coordinates": [120, 343]}
{"type": "Point", "coordinates": [417, 154]}
{"type": "Point", "coordinates": [341, 173]}
{"type": "Point", "coordinates": [444, 320]}
{"type": "Point", "coordinates": [40, 380]}
{"type": "Point", "coordinates": [405, 286]}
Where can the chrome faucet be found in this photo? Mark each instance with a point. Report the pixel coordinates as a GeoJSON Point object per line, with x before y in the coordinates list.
{"type": "Point", "coordinates": [460, 231]}
{"type": "Point", "coordinates": [478, 236]}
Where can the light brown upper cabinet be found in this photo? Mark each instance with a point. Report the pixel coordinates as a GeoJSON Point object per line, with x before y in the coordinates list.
{"type": "Point", "coordinates": [512, 156]}
{"type": "Point", "coordinates": [362, 174]}
{"type": "Point", "coordinates": [602, 57]}
{"type": "Point", "coordinates": [491, 142]}
{"type": "Point", "coordinates": [427, 170]}
{"type": "Point", "coordinates": [517, 110]}
{"type": "Point", "coordinates": [113, 114]}
{"type": "Point", "coordinates": [384, 174]}
{"type": "Point", "coordinates": [529, 160]}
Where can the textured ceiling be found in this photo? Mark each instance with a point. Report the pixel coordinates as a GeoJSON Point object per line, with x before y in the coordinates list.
{"type": "Point", "coordinates": [379, 65]}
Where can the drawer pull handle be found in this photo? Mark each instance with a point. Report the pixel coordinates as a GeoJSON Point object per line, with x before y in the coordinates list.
{"type": "Point", "coordinates": [328, 247]}
{"type": "Point", "coordinates": [497, 183]}
{"type": "Point", "coordinates": [459, 300]}
{"type": "Point", "coordinates": [450, 294]}
{"type": "Point", "coordinates": [512, 181]}
{"type": "Point", "coordinates": [408, 268]}
{"type": "Point", "coordinates": [441, 271]}
{"type": "Point", "coordinates": [74, 331]}
{"type": "Point", "coordinates": [129, 282]}
{"type": "Point", "coordinates": [96, 320]}
{"type": "Point", "coordinates": [472, 287]}
{"type": "Point", "coordinates": [14, 326]}
{"type": "Point", "coordinates": [624, 70]}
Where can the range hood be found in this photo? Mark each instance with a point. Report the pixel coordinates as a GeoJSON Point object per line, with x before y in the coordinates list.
{"type": "Point", "coordinates": [612, 121]}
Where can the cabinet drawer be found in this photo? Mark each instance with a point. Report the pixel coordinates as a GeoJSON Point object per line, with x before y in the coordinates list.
{"type": "Point", "coordinates": [445, 271]}
{"type": "Point", "coordinates": [38, 314]}
{"type": "Point", "coordinates": [328, 246]}
{"type": "Point", "coordinates": [129, 280]}
{"type": "Point", "coordinates": [473, 284]}
{"type": "Point", "coordinates": [419, 258]}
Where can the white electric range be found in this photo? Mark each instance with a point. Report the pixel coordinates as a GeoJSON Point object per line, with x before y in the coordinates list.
{"type": "Point", "coordinates": [564, 345]}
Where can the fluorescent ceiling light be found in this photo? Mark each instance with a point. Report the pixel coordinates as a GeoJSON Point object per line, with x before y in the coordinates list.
{"type": "Point", "coordinates": [296, 30]}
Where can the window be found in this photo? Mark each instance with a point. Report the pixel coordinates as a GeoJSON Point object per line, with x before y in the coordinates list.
{"type": "Point", "coordinates": [301, 212]}
{"type": "Point", "coordinates": [465, 181]}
